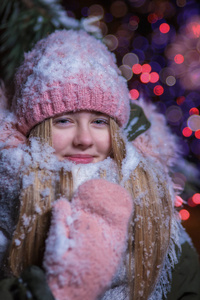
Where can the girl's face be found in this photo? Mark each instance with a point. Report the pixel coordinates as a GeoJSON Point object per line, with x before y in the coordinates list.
{"type": "Point", "coordinates": [82, 137]}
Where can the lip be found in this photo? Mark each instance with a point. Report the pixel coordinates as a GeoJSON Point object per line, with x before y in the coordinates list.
{"type": "Point", "coordinates": [80, 158]}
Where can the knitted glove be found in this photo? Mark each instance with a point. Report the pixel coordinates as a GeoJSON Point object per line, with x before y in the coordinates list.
{"type": "Point", "coordinates": [86, 240]}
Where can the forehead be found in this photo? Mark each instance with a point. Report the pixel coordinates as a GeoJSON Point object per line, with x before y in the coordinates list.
{"type": "Point", "coordinates": [83, 113]}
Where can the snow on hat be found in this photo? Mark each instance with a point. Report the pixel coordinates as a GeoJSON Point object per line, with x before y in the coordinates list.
{"type": "Point", "coordinates": [69, 71]}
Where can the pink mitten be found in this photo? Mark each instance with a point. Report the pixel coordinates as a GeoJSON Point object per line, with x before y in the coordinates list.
{"type": "Point", "coordinates": [87, 239]}
{"type": "Point", "coordinates": [11, 137]}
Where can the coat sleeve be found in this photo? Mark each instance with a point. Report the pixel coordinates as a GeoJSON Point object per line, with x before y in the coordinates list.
{"type": "Point", "coordinates": [186, 276]}
{"type": "Point", "coordinates": [10, 160]}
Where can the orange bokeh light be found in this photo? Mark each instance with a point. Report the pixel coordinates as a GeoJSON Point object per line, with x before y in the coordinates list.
{"type": "Point", "coordinates": [187, 131]}
{"type": "Point", "coordinates": [184, 214]}
{"type": "Point", "coordinates": [164, 28]}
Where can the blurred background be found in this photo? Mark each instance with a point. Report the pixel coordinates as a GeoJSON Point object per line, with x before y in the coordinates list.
{"type": "Point", "coordinates": [157, 45]}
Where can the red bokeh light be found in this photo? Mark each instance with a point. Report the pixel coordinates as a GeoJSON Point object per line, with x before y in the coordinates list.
{"type": "Point", "coordinates": [191, 203]}
{"type": "Point", "coordinates": [152, 18]}
{"type": "Point", "coordinates": [195, 27]}
{"type": "Point", "coordinates": [180, 100]}
{"type": "Point", "coordinates": [154, 77]}
{"type": "Point", "coordinates": [134, 94]}
{"type": "Point", "coordinates": [179, 59]}
{"type": "Point", "coordinates": [164, 28]}
{"type": "Point", "coordinates": [146, 68]}
{"type": "Point", "coordinates": [178, 201]}
{"type": "Point", "coordinates": [158, 90]}
{"type": "Point", "coordinates": [194, 111]}
{"type": "Point", "coordinates": [187, 132]}
{"type": "Point", "coordinates": [196, 198]}
{"type": "Point", "coordinates": [145, 77]}
{"type": "Point", "coordinates": [197, 134]}
{"type": "Point", "coordinates": [184, 214]}
{"type": "Point", "coordinates": [137, 69]}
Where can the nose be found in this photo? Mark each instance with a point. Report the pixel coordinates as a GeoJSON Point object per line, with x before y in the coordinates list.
{"type": "Point", "coordinates": [83, 138]}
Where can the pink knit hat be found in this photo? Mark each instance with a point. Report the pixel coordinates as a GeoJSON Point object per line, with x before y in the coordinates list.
{"type": "Point", "coordinates": [69, 71]}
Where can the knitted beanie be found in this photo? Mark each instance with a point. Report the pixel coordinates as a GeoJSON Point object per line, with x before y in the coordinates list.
{"type": "Point", "coordinates": [69, 71]}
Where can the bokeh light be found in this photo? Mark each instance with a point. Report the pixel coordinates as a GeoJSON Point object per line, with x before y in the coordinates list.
{"type": "Point", "coordinates": [111, 41]}
{"type": "Point", "coordinates": [191, 203]}
{"type": "Point", "coordinates": [137, 69]}
{"type": "Point", "coordinates": [118, 9]}
{"type": "Point", "coordinates": [187, 132]}
{"type": "Point", "coordinates": [179, 59]}
{"type": "Point", "coordinates": [174, 114]}
{"type": "Point", "coordinates": [181, 3]}
{"type": "Point", "coordinates": [196, 198]}
{"type": "Point", "coordinates": [145, 77]}
{"type": "Point", "coordinates": [194, 111]}
{"type": "Point", "coordinates": [152, 18]}
{"type": "Point", "coordinates": [134, 93]}
{"type": "Point", "coordinates": [130, 59]}
{"type": "Point", "coordinates": [95, 10]}
{"type": "Point", "coordinates": [180, 100]}
{"type": "Point", "coordinates": [146, 68]}
{"type": "Point", "coordinates": [170, 80]}
{"type": "Point", "coordinates": [164, 28]}
{"type": "Point", "coordinates": [193, 122]}
{"type": "Point", "coordinates": [154, 77]}
{"type": "Point", "coordinates": [197, 134]}
{"type": "Point", "coordinates": [184, 214]}
{"type": "Point", "coordinates": [158, 90]}
{"type": "Point", "coordinates": [126, 71]}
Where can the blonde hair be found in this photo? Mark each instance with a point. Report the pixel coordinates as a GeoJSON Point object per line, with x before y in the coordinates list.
{"type": "Point", "coordinates": [149, 230]}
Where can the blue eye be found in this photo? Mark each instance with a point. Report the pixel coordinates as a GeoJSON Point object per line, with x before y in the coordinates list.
{"type": "Point", "coordinates": [101, 121]}
{"type": "Point", "coordinates": [61, 121]}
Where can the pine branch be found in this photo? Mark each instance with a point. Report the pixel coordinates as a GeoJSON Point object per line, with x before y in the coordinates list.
{"type": "Point", "coordinates": [24, 22]}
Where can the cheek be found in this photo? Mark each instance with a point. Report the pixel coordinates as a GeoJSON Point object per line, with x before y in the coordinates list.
{"type": "Point", "coordinates": [58, 140]}
{"type": "Point", "coordinates": [104, 143]}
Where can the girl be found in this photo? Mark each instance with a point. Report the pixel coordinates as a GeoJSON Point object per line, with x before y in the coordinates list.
{"type": "Point", "coordinates": [94, 213]}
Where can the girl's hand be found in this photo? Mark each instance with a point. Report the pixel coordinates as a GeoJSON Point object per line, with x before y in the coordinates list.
{"type": "Point", "coordinates": [87, 239]}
